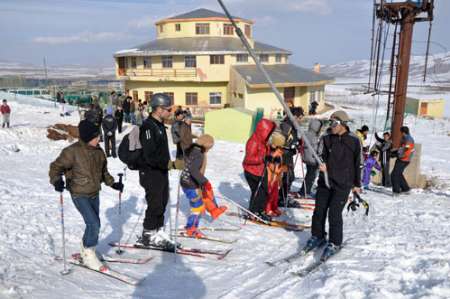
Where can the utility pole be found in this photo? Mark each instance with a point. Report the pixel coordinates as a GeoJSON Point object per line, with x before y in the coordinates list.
{"type": "Point", "coordinates": [405, 14]}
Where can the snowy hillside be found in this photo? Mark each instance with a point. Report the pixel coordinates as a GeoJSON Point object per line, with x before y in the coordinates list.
{"type": "Point", "coordinates": [401, 250]}
{"type": "Point", "coordinates": [438, 68]}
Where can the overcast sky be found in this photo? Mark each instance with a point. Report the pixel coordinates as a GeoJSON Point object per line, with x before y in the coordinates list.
{"type": "Point", "coordinates": [88, 32]}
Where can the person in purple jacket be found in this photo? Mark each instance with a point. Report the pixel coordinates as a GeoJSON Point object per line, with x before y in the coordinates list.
{"type": "Point", "coordinates": [369, 164]}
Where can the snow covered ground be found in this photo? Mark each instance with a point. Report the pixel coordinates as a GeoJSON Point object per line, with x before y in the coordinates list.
{"type": "Point", "coordinates": [400, 251]}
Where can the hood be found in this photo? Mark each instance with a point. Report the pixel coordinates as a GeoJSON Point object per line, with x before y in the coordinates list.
{"type": "Point", "coordinates": [314, 126]}
{"type": "Point", "coordinates": [264, 128]}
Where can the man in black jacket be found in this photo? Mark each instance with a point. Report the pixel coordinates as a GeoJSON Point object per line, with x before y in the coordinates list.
{"type": "Point", "coordinates": [154, 173]}
{"type": "Point", "coordinates": [109, 126]}
{"type": "Point", "coordinates": [384, 146]}
{"type": "Point", "coordinates": [341, 155]}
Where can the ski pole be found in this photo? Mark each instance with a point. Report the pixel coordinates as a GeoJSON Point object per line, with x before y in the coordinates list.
{"type": "Point", "coordinates": [119, 251]}
{"type": "Point", "coordinates": [61, 201]}
{"type": "Point", "coordinates": [177, 211]}
{"type": "Point", "coordinates": [244, 209]}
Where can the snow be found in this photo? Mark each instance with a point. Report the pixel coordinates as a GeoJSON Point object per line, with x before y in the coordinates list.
{"type": "Point", "coordinates": [400, 251]}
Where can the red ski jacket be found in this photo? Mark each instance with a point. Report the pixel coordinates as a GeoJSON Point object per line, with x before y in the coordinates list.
{"type": "Point", "coordinates": [257, 149]}
{"type": "Point", "coordinates": [4, 109]}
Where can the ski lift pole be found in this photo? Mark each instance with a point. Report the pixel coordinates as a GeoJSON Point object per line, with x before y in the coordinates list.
{"type": "Point", "coordinates": [61, 202]}
{"type": "Point", "coordinates": [274, 89]}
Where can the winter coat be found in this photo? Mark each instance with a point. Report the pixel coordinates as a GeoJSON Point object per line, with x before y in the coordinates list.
{"type": "Point", "coordinates": [369, 164]}
{"type": "Point", "coordinates": [5, 109]}
{"type": "Point", "coordinates": [186, 135]}
{"type": "Point", "coordinates": [85, 168]}
{"type": "Point", "coordinates": [175, 130]}
{"type": "Point", "coordinates": [406, 150]}
{"type": "Point", "coordinates": [155, 146]}
{"type": "Point", "coordinates": [109, 125]}
{"type": "Point", "coordinates": [119, 115]}
{"type": "Point", "coordinates": [384, 148]}
{"type": "Point", "coordinates": [192, 176]}
{"type": "Point", "coordinates": [126, 106]}
{"type": "Point", "coordinates": [257, 149]}
{"type": "Point", "coordinates": [313, 137]}
{"type": "Point", "coordinates": [342, 156]}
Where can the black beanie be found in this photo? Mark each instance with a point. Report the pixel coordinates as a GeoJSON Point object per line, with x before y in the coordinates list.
{"type": "Point", "coordinates": [88, 130]}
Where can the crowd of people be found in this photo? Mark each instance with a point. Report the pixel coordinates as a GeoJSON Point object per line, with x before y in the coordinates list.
{"type": "Point", "coordinates": [337, 159]}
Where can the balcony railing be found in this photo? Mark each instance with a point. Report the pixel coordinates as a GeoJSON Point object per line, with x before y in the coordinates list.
{"type": "Point", "coordinates": [160, 73]}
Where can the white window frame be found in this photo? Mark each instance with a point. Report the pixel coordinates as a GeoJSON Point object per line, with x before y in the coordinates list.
{"type": "Point", "coordinates": [263, 60]}
{"type": "Point", "coordinates": [239, 58]}
{"type": "Point", "coordinates": [166, 60]}
{"type": "Point", "coordinates": [202, 28]}
{"type": "Point", "coordinates": [188, 60]}
{"type": "Point", "coordinates": [213, 96]}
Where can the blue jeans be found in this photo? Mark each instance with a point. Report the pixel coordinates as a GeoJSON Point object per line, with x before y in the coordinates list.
{"type": "Point", "coordinates": [89, 209]}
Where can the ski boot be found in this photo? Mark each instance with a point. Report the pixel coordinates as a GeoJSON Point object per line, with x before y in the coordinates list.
{"type": "Point", "coordinates": [195, 233]}
{"type": "Point", "coordinates": [90, 260]}
{"type": "Point", "coordinates": [329, 251]}
{"type": "Point", "coordinates": [157, 238]}
{"type": "Point", "coordinates": [313, 243]}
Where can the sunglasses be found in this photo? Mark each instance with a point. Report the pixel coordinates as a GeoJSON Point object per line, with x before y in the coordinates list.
{"type": "Point", "coordinates": [167, 109]}
{"type": "Point", "coordinates": [335, 122]}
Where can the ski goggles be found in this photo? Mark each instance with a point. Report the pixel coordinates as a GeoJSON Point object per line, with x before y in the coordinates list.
{"type": "Point", "coordinates": [335, 122]}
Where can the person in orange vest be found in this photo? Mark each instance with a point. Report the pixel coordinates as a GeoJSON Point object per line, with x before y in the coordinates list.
{"type": "Point", "coordinates": [275, 169]}
{"type": "Point", "coordinates": [404, 156]}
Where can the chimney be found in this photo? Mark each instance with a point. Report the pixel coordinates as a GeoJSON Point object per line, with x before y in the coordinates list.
{"type": "Point", "coordinates": [316, 68]}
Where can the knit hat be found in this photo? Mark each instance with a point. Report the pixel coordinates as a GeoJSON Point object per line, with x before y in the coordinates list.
{"type": "Point", "coordinates": [277, 139]}
{"type": "Point", "coordinates": [207, 141]}
{"type": "Point", "coordinates": [88, 130]}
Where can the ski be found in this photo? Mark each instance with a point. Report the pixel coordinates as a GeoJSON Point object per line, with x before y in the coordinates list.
{"type": "Point", "coordinates": [183, 234]}
{"type": "Point", "coordinates": [76, 260]}
{"type": "Point", "coordinates": [214, 229]}
{"type": "Point", "coordinates": [293, 257]}
{"type": "Point", "coordinates": [221, 254]}
{"type": "Point", "coordinates": [314, 266]}
{"type": "Point", "coordinates": [274, 223]}
{"type": "Point", "coordinates": [137, 261]}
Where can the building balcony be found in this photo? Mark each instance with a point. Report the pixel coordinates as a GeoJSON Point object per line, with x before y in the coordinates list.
{"type": "Point", "coordinates": [158, 74]}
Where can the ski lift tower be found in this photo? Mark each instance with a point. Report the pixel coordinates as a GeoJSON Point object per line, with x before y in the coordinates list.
{"type": "Point", "coordinates": [405, 14]}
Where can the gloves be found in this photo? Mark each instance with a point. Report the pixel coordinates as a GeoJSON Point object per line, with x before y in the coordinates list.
{"type": "Point", "coordinates": [59, 185]}
{"type": "Point", "coordinates": [178, 164]}
{"type": "Point", "coordinates": [117, 186]}
{"type": "Point", "coordinates": [268, 159]}
{"type": "Point", "coordinates": [171, 165]}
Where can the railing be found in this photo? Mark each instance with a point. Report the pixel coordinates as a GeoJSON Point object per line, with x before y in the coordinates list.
{"type": "Point", "coordinates": [174, 73]}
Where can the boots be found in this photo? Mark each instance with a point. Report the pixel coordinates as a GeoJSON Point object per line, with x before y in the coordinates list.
{"type": "Point", "coordinates": [212, 208]}
{"type": "Point", "coordinates": [157, 238]}
{"type": "Point", "coordinates": [90, 259]}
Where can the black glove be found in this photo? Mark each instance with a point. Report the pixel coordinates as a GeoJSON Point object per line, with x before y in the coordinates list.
{"type": "Point", "coordinates": [117, 186]}
{"type": "Point", "coordinates": [277, 160]}
{"type": "Point", "coordinates": [59, 185]}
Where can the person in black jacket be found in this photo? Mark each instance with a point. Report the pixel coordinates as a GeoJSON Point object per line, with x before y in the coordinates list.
{"type": "Point", "coordinates": [126, 109]}
{"type": "Point", "coordinates": [341, 155]}
{"type": "Point", "coordinates": [154, 173]}
{"type": "Point", "coordinates": [109, 125]}
{"type": "Point", "coordinates": [384, 146]}
{"type": "Point", "coordinates": [119, 117]}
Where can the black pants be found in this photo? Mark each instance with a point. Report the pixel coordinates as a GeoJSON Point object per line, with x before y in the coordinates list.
{"type": "Point", "coordinates": [286, 183]}
{"type": "Point", "coordinates": [110, 145]}
{"type": "Point", "coordinates": [385, 176]}
{"type": "Point", "coordinates": [119, 125]}
{"type": "Point", "coordinates": [259, 196]}
{"type": "Point", "coordinates": [179, 154]}
{"type": "Point", "coordinates": [310, 177]}
{"type": "Point", "coordinates": [399, 183]}
{"type": "Point", "coordinates": [331, 202]}
{"type": "Point", "coordinates": [156, 185]}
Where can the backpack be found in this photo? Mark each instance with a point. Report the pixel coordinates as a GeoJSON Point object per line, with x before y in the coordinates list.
{"type": "Point", "coordinates": [131, 158]}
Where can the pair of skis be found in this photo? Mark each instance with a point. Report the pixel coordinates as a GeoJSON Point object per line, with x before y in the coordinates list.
{"type": "Point", "coordinates": [274, 223]}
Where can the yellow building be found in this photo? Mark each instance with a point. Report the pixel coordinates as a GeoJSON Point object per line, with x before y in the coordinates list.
{"type": "Point", "coordinates": [427, 107]}
{"type": "Point", "coordinates": [200, 62]}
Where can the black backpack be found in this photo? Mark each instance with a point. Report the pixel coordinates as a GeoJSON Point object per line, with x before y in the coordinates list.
{"type": "Point", "coordinates": [131, 158]}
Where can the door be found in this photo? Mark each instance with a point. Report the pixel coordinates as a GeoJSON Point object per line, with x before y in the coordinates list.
{"type": "Point", "coordinates": [423, 108]}
{"type": "Point", "coordinates": [289, 95]}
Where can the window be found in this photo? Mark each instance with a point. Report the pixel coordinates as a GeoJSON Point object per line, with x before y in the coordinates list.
{"type": "Point", "coordinates": [171, 96]}
{"type": "Point", "coordinates": [191, 98]}
{"type": "Point", "coordinates": [148, 96]}
{"type": "Point", "coordinates": [228, 29]}
{"type": "Point", "coordinates": [190, 61]}
{"type": "Point", "coordinates": [147, 62]}
{"type": "Point", "coordinates": [264, 57]}
{"type": "Point", "coordinates": [133, 63]}
{"type": "Point", "coordinates": [177, 27]}
{"type": "Point", "coordinates": [215, 98]}
{"type": "Point", "coordinates": [202, 28]}
{"type": "Point", "coordinates": [216, 59]}
{"type": "Point", "coordinates": [248, 31]}
{"type": "Point", "coordinates": [242, 57]}
{"type": "Point", "coordinates": [167, 62]}
{"type": "Point", "coordinates": [161, 28]}
{"type": "Point", "coordinates": [278, 58]}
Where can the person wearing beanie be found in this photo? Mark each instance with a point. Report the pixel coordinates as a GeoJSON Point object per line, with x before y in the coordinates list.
{"type": "Point", "coordinates": [197, 187]}
{"type": "Point", "coordinates": [275, 169]}
{"type": "Point", "coordinates": [109, 125]}
{"type": "Point", "coordinates": [340, 152]}
{"type": "Point", "coordinates": [84, 166]}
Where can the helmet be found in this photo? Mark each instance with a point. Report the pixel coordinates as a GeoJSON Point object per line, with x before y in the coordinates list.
{"type": "Point", "coordinates": [160, 99]}
{"type": "Point", "coordinates": [277, 139]}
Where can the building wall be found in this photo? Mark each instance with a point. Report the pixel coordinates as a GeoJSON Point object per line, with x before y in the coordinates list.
{"type": "Point", "coordinates": [180, 89]}
{"type": "Point", "coordinates": [217, 124]}
{"type": "Point", "coordinates": [237, 90]}
{"type": "Point", "coordinates": [435, 108]}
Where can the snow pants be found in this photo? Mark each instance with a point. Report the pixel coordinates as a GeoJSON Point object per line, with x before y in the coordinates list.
{"type": "Point", "coordinates": [156, 185]}
{"type": "Point", "coordinates": [197, 207]}
{"type": "Point", "coordinates": [258, 187]}
{"type": "Point", "coordinates": [89, 210]}
{"type": "Point", "coordinates": [329, 202]}
{"type": "Point", "coordinates": [399, 183]}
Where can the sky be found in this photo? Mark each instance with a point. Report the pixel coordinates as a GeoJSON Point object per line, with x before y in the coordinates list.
{"type": "Point", "coordinates": [89, 32]}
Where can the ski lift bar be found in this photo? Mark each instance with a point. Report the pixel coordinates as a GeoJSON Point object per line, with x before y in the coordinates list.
{"type": "Point", "coordinates": [274, 89]}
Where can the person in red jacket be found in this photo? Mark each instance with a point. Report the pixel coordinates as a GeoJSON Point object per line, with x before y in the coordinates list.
{"type": "Point", "coordinates": [6, 111]}
{"type": "Point", "coordinates": [256, 150]}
